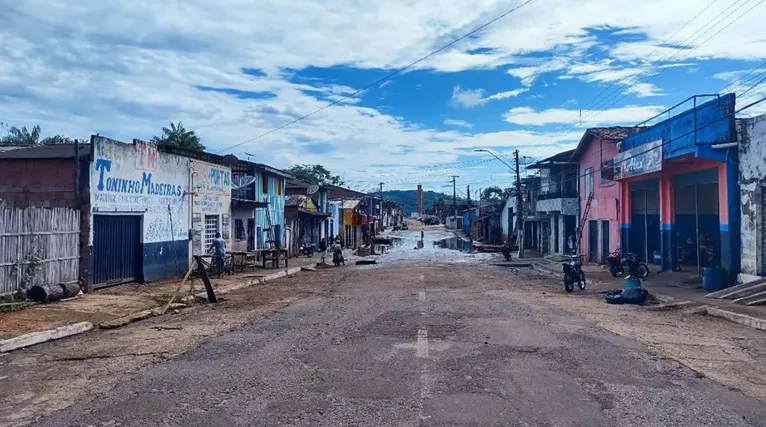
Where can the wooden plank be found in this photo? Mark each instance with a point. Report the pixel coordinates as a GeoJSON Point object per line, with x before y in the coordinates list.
{"type": "Point", "coordinates": [33, 338]}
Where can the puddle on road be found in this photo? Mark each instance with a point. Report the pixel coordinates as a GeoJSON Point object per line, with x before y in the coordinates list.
{"type": "Point", "coordinates": [454, 243]}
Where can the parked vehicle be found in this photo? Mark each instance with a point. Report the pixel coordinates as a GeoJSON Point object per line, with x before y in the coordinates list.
{"type": "Point", "coordinates": [620, 263]}
{"type": "Point", "coordinates": [337, 256]}
{"type": "Point", "coordinates": [573, 273]}
{"type": "Point", "coordinates": [307, 249]}
{"type": "Point", "coordinates": [507, 251]}
{"type": "Point", "coordinates": [405, 227]}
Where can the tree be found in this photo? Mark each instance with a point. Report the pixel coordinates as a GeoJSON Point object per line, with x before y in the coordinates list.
{"type": "Point", "coordinates": [315, 174]}
{"type": "Point", "coordinates": [57, 139]}
{"type": "Point", "coordinates": [178, 136]}
{"type": "Point", "coordinates": [496, 194]}
{"type": "Point", "coordinates": [21, 136]}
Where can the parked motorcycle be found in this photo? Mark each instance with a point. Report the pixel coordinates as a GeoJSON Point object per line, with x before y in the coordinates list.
{"type": "Point", "coordinates": [573, 273]}
{"type": "Point", "coordinates": [337, 256]}
{"type": "Point", "coordinates": [620, 263]}
{"type": "Point", "coordinates": [507, 252]}
{"type": "Point", "coordinates": [307, 249]}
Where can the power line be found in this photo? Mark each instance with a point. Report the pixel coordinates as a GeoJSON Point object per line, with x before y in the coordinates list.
{"type": "Point", "coordinates": [382, 79]}
{"type": "Point", "coordinates": [632, 82]}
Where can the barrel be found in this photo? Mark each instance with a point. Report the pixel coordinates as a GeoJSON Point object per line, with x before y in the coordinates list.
{"type": "Point", "coordinates": [713, 279]}
{"type": "Point", "coordinates": [632, 282]}
{"type": "Point", "coordinates": [657, 257]}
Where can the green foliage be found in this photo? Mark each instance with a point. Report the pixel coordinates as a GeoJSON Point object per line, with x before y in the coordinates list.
{"type": "Point", "coordinates": [496, 194]}
{"type": "Point", "coordinates": [409, 199]}
{"type": "Point", "coordinates": [315, 174]}
{"type": "Point", "coordinates": [25, 270]}
{"type": "Point", "coordinates": [27, 136]}
{"type": "Point", "coordinates": [21, 136]}
{"type": "Point", "coordinates": [178, 136]}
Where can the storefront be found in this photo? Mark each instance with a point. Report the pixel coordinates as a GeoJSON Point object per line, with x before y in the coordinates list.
{"type": "Point", "coordinates": [679, 195]}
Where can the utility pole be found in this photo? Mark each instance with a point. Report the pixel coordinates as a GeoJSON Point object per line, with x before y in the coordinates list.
{"type": "Point", "coordinates": [519, 209]}
{"type": "Point", "coordinates": [468, 193]}
{"type": "Point", "coordinates": [454, 198]}
{"type": "Point", "coordinates": [381, 204]}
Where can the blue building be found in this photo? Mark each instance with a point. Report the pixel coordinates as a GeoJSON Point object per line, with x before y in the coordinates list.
{"type": "Point", "coordinates": [681, 173]}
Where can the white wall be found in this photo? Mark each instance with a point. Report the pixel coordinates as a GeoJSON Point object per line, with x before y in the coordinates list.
{"type": "Point", "coordinates": [136, 179]}
{"type": "Point", "coordinates": [212, 185]}
{"type": "Point", "coordinates": [752, 172]}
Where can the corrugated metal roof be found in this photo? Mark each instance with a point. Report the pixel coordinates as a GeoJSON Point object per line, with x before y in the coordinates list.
{"type": "Point", "coordinates": [57, 151]}
{"type": "Point", "coordinates": [346, 204]}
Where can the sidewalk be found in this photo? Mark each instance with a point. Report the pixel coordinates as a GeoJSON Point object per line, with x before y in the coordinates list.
{"type": "Point", "coordinates": [668, 287]}
{"type": "Point", "coordinates": [110, 304]}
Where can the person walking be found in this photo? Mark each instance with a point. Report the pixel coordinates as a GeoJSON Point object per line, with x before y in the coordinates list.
{"type": "Point", "coordinates": [218, 247]}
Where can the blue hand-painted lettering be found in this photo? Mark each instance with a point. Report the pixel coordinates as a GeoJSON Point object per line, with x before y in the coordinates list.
{"type": "Point", "coordinates": [101, 166]}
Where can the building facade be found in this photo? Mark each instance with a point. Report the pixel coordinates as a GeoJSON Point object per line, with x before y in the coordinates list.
{"type": "Point", "coordinates": [557, 201]}
{"type": "Point", "coordinates": [599, 210]}
{"type": "Point", "coordinates": [140, 213]}
{"type": "Point", "coordinates": [752, 179]}
{"type": "Point", "coordinates": [684, 167]}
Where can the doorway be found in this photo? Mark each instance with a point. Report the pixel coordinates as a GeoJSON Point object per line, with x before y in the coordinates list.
{"type": "Point", "coordinates": [645, 237]}
{"type": "Point", "coordinates": [605, 250]}
{"type": "Point", "coordinates": [116, 250]}
{"type": "Point", "coordinates": [592, 241]}
{"type": "Point", "coordinates": [697, 222]}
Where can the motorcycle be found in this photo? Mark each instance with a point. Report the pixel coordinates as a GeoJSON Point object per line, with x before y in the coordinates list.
{"type": "Point", "coordinates": [337, 256]}
{"type": "Point", "coordinates": [573, 273]}
{"type": "Point", "coordinates": [619, 263]}
{"type": "Point", "coordinates": [307, 249]}
{"type": "Point", "coordinates": [507, 252]}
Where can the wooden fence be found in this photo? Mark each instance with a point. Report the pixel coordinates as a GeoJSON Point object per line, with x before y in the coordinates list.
{"type": "Point", "coordinates": [53, 235]}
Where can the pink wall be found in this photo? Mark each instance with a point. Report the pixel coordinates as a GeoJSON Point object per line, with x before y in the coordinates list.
{"type": "Point", "coordinates": [605, 205]}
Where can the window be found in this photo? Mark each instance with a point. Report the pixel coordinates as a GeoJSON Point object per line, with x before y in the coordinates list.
{"type": "Point", "coordinates": [279, 186]}
{"type": "Point", "coordinates": [239, 230]}
{"type": "Point", "coordinates": [211, 227]}
{"type": "Point", "coordinates": [588, 182]}
{"type": "Point", "coordinates": [264, 183]}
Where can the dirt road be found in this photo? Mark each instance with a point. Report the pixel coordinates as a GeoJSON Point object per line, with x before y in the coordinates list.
{"type": "Point", "coordinates": [425, 338]}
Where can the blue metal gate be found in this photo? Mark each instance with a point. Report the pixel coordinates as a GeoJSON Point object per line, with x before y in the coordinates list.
{"type": "Point", "coordinates": [116, 249]}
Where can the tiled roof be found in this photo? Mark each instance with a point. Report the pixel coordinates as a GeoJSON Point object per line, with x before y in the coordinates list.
{"type": "Point", "coordinates": [614, 133]}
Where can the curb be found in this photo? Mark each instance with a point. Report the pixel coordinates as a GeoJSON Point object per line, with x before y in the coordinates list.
{"type": "Point", "coordinates": [742, 319]}
{"type": "Point", "coordinates": [38, 337]}
{"type": "Point", "coordinates": [33, 338]}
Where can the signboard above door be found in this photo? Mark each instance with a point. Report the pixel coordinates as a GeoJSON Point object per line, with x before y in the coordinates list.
{"type": "Point", "coordinates": [641, 160]}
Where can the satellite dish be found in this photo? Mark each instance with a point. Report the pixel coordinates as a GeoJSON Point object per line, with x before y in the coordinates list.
{"type": "Point", "coordinates": [313, 188]}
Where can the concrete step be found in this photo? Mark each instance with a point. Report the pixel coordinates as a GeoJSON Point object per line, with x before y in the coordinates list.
{"type": "Point", "coordinates": [740, 291]}
{"type": "Point", "coordinates": [754, 299]}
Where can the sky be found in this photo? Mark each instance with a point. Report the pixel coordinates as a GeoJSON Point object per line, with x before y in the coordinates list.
{"type": "Point", "coordinates": [233, 70]}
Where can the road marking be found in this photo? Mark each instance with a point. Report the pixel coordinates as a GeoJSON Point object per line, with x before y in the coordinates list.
{"type": "Point", "coordinates": [421, 347]}
{"type": "Point", "coordinates": [422, 296]}
{"type": "Point", "coordinates": [422, 277]}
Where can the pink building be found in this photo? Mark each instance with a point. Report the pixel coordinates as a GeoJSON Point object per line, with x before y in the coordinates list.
{"type": "Point", "coordinates": [600, 233]}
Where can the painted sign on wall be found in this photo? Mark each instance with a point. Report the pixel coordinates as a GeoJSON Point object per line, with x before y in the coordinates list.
{"type": "Point", "coordinates": [213, 186]}
{"type": "Point", "coordinates": [646, 158]}
{"type": "Point", "coordinates": [135, 178]}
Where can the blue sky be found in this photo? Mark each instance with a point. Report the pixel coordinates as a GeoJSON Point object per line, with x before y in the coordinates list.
{"type": "Point", "coordinates": [232, 70]}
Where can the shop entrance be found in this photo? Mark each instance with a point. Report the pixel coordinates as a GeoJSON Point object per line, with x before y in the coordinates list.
{"type": "Point", "coordinates": [645, 236]}
{"type": "Point", "coordinates": [697, 222]}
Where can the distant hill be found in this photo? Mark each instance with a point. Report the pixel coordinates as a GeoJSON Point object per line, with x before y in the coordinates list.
{"type": "Point", "coordinates": [409, 198]}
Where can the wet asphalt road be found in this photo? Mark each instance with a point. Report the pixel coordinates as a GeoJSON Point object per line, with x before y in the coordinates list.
{"type": "Point", "coordinates": [417, 344]}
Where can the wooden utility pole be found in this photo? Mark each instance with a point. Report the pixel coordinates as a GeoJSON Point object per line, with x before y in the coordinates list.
{"type": "Point", "coordinates": [454, 197]}
{"type": "Point", "coordinates": [519, 209]}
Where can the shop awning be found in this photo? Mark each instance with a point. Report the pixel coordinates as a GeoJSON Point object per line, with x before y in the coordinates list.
{"type": "Point", "coordinates": [250, 203]}
{"type": "Point", "coordinates": [314, 213]}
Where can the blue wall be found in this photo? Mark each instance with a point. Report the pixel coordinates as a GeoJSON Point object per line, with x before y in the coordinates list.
{"type": "Point", "coordinates": [714, 124]}
{"type": "Point", "coordinates": [165, 260]}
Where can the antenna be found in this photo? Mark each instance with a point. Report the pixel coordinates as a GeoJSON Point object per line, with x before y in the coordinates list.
{"type": "Point", "coordinates": [249, 155]}
{"type": "Point", "coordinates": [313, 188]}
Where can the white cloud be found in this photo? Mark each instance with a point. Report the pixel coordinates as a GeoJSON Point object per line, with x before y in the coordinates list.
{"type": "Point", "coordinates": [626, 116]}
{"type": "Point", "coordinates": [460, 123]}
{"type": "Point", "coordinates": [469, 98]}
{"type": "Point", "coordinates": [126, 68]}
